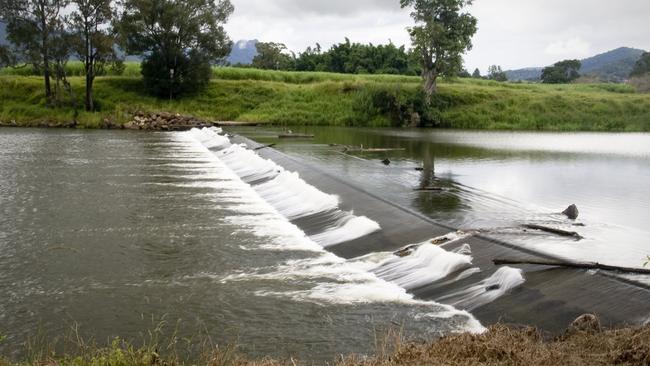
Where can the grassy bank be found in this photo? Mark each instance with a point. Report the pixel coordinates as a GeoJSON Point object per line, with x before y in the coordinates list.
{"type": "Point", "coordinates": [501, 345]}
{"type": "Point", "coordinates": [295, 98]}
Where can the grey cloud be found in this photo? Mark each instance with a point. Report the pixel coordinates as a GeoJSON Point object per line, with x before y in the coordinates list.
{"type": "Point", "coordinates": [512, 33]}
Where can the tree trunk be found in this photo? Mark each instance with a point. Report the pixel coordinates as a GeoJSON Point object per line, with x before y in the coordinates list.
{"type": "Point", "coordinates": [46, 71]}
{"type": "Point", "coordinates": [430, 85]}
{"type": "Point", "coordinates": [90, 106]}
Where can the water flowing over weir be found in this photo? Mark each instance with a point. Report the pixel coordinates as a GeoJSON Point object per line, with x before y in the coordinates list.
{"type": "Point", "coordinates": [378, 276]}
{"type": "Point", "coordinates": [492, 293]}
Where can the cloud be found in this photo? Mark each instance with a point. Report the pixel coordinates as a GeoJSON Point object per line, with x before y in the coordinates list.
{"type": "Point", "coordinates": [573, 46]}
{"type": "Point", "coordinates": [512, 33]}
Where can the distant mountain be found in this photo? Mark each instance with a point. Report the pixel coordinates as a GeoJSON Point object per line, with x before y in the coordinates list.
{"type": "Point", "coordinates": [527, 74]}
{"type": "Point", "coordinates": [612, 66]}
{"type": "Point", "coordinates": [243, 52]}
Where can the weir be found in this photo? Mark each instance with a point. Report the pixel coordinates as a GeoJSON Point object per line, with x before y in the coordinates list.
{"type": "Point", "coordinates": [363, 227]}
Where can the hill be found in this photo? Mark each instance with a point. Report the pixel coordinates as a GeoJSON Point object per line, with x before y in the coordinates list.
{"type": "Point", "coordinates": [611, 66]}
{"type": "Point", "coordinates": [243, 52]}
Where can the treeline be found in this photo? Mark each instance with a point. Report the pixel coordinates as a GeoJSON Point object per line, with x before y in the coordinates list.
{"type": "Point", "coordinates": [177, 40]}
{"type": "Point", "coordinates": [346, 58]}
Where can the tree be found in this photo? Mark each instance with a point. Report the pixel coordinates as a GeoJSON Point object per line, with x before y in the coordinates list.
{"type": "Point", "coordinates": [464, 74]}
{"type": "Point", "coordinates": [562, 72]}
{"type": "Point", "coordinates": [178, 39]}
{"type": "Point", "coordinates": [476, 74]}
{"type": "Point", "coordinates": [272, 56]}
{"type": "Point", "coordinates": [31, 26]}
{"type": "Point", "coordinates": [93, 40]}
{"type": "Point", "coordinates": [442, 33]}
{"type": "Point", "coordinates": [496, 73]}
{"type": "Point", "coordinates": [642, 66]}
{"type": "Point", "coordinates": [6, 57]}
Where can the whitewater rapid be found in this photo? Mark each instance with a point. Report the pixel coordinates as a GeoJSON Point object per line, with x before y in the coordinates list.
{"type": "Point", "coordinates": [269, 198]}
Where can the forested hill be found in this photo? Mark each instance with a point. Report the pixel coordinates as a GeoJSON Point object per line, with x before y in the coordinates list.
{"type": "Point", "coordinates": [243, 52]}
{"type": "Point", "coordinates": [613, 66]}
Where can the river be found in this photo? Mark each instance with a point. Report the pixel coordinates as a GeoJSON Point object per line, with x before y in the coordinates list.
{"type": "Point", "coordinates": [121, 232]}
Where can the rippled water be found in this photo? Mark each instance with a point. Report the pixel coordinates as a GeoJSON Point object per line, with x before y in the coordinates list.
{"type": "Point", "coordinates": [497, 181]}
{"type": "Point", "coordinates": [119, 231]}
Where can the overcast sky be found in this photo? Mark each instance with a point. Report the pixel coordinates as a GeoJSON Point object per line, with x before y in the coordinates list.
{"type": "Point", "coordinates": [512, 33]}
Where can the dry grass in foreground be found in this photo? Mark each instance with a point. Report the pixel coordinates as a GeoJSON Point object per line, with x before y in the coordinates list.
{"type": "Point", "coordinates": [503, 345]}
{"type": "Point", "coordinates": [500, 345]}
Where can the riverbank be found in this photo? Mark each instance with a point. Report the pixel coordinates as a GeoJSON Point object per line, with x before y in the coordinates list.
{"type": "Point", "coordinates": [499, 345]}
{"type": "Point", "coordinates": [291, 98]}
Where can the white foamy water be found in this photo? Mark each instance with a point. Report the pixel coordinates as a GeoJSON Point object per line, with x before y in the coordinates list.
{"type": "Point", "coordinates": [280, 196]}
{"type": "Point", "coordinates": [294, 198]}
{"type": "Point", "coordinates": [486, 291]}
{"type": "Point", "coordinates": [427, 264]}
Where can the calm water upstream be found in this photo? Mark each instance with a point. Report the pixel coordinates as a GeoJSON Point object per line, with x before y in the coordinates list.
{"type": "Point", "coordinates": [118, 231]}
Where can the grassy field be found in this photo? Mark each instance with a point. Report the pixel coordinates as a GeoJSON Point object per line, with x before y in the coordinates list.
{"type": "Point", "coordinates": [298, 98]}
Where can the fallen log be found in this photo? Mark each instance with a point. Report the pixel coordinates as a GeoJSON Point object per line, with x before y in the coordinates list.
{"type": "Point", "coordinates": [553, 230]}
{"type": "Point", "coordinates": [264, 147]}
{"type": "Point", "coordinates": [295, 136]}
{"type": "Point", "coordinates": [578, 265]}
{"type": "Point", "coordinates": [429, 189]}
{"type": "Point", "coordinates": [371, 150]}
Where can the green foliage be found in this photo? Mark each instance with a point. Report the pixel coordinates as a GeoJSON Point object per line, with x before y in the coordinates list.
{"type": "Point", "coordinates": [272, 56]}
{"type": "Point", "coordinates": [562, 72]}
{"type": "Point", "coordinates": [301, 98]}
{"type": "Point", "coordinates": [180, 38]}
{"type": "Point", "coordinates": [496, 73]}
{"type": "Point", "coordinates": [642, 67]}
{"type": "Point", "coordinates": [345, 58]}
{"type": "Point", "coordinates": [401, 105]}
{"type": "Point", "coordinates": [92, 40]}
{"type": "Point", "coordinates": [182, 74]}
{"type": "Point", "coordinates": [34, 30]}
{"type": "Point", "coordinates": [476, 74]}
{"type": "Point", "coordinates": [442, 33]}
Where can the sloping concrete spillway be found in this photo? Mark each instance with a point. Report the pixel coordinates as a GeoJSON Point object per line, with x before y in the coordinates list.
{"type": "Point", "coordinates": [550, 298]}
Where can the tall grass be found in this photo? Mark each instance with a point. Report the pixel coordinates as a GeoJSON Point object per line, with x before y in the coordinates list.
{"type": "Point", "coordinates": [313, 98]}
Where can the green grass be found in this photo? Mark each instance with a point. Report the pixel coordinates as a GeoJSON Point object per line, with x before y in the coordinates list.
{"type": "Point", "coordinates": [299, 98]}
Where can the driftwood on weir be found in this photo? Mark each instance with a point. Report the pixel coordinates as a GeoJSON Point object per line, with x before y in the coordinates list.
{"type": "Point", "coordinates": [578, 265]}
{"type": "Point", "coordinates": [553, 230]}
{"type": "Point", "coordinates": [264, 147]}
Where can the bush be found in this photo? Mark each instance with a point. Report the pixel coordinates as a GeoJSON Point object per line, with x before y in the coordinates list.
{"type": "Point", "coordinates": [176, 74]}
{"type": "Point", "coordinates": [404, 106]}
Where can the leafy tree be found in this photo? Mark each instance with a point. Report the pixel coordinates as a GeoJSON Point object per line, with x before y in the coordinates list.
{"type": "Point", "coordinates": [496, 73]}
{"type": "Point", "coordinates": [31, 27]}
{"type": "Point", "coordinates": [562, 72]}
{"type": "Point", "coordinates": [179, 41]}
{"type": "Point", "coordinates": [442, 33]}
{"type": "Point", "coordinates": [476, 74]}
{"type": "Point", "coordinates": [464, 74]}
{"type": "Point", "coordinates": [6, 57]}
{"type": "Point", "coordinates": [642, 66]}
{"type": "Point", "coordinates": [93, 40]}
{"type": "Point", "coordinates": [272, 56]}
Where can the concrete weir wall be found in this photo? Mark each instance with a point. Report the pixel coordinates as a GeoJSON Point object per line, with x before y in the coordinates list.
{"type": "Point", "coordinates": [550, 298]}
